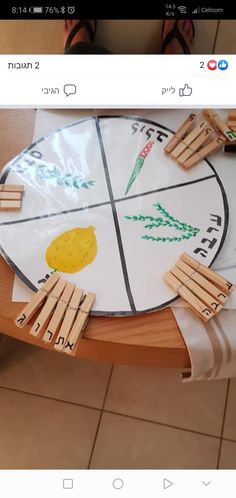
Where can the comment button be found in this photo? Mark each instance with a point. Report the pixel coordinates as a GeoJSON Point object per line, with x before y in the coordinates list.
{"type": "Point", "coordinates": [69, 89]}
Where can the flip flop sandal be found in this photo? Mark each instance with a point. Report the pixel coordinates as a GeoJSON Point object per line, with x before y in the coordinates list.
{"type": "Point", "coordinates": [83, 23]}
{"type": "Point", "coordinates": [176, 34]}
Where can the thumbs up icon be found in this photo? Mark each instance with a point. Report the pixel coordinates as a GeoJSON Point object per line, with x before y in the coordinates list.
{"type": "Point", "coordinates": [223, 65]}
{"type": "Point", "coordinates": [186, 91]}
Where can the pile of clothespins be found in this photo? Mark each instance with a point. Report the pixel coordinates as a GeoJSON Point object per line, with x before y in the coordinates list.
{"type": "Point", "coordinates": [10, 197]}
{"type": "Point", "coordinates": [204, 290]}
{"type": "Point", "coordinates": [59, 312]}
{"type": "Point", "coordinates": [196, 140]}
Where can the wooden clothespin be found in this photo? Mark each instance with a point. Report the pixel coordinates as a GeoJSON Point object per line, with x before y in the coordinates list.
{"type": "Point", "coordinates": [195, 304]}
{"type": "Point", "coordinates": [195, 144]}
{"type": "Point", "coordinates": [180, 133]}
{"type": "Point", "coordinates": [79, 325]}
{"type": "Point", "coordinates": [62, 313]}
{"type": "Point", "coordinates": [69, 317]}
{"type": "Point", "coordinates": [10, 197]}
{"type": "Point", "coordinates": [42, 319]}
{"type": "Point", "coordinates": [211, 275]}
{"type": "Point", "coordinates": [218, 123]}
{"type": "Point", "coordinates": [199, 292]}
{"type": "Point", "coordinates": [232, 114]}
{"type": "Point", "coordinates": [30, 309]}
{"type": "Point", "coordinates": [202, 281]}
{"type": "Point", "coordinates": [187, 141]}
{"type": "Point", "coordinates": [203, 289]}
{"type": "Point", "coordinates": [58, 313]}
{"type": "Point", "coordinates": [231, 123]}
{"type": "Point", "coordinates": [213, 146]}
{"type": "Point", "coordinates": [5, 187]}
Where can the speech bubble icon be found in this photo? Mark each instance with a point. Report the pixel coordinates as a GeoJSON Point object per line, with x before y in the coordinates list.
{"type": "Point", "coordinates": [69, 89]}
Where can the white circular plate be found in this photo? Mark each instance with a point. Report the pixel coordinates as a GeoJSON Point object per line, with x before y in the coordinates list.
{"type": "Point", "coordinates": [108, 209]}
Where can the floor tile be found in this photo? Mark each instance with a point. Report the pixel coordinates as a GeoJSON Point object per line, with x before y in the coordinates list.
{"type": "Point", "coordinates": [228, 455]}
{"type": "Point", "coordinates": [124, 442]}
{"type": "Point", "coordinates": [230, 418]}
{"type": "Point", "coordinates": [226, 40]}
{"type": "Point", "coordinates": [144, 36]}
{"type": "Point", "coordinates": [130, 36]}
{"type": "Point", "coordinates": [35, 370]}
{"type": "Point", "coordinates": [205, 32]}
{"type": "Point", "coordinates": [159, 395]}
{"type": "Point", "coordinates": [32, 37]}
{"type": "Point", "coordinates": [41, 433]}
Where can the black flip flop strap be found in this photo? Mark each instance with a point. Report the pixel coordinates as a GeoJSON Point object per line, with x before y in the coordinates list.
{"type": "Point", "coordinates": [175, 34]}
{"type": "Point", "coordinates": [81, 24]}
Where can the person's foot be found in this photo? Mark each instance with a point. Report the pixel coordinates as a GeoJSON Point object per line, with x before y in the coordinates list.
{"type": "Point", "coordinates": [185, 28]}
{"type": "Point", "coordinates": [82, 35]}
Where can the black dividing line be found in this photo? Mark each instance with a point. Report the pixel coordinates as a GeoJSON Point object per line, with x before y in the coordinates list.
{"type": "Point", "coordinates": [52, 215]}
{"type": "Point", "coordinates": [76, 210]}
{"type": "Point", "coordinates": [162, 189]}
{"type": "Point", "coordinates": [115, 218]}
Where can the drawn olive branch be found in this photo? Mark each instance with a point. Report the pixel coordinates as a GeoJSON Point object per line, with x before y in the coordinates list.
{"type": "Point", "coordinates": [171, 218]}
{"type": "Point", "coordinates": [68, 180]}
{"type": "Point", "coordinates": [168, 221]}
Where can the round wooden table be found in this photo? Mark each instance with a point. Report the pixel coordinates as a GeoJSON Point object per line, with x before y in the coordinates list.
{"type": "Point", "coordinates": [153, 339]}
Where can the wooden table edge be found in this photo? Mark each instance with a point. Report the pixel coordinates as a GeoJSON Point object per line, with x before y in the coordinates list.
{"type": "Point", "coordinates": [109, 351]}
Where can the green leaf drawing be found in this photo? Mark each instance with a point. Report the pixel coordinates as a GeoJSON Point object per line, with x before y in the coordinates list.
{"type": "Point", "coordinates": [166, 220]}
{"type": "Point", "coordinates": [53, 173]}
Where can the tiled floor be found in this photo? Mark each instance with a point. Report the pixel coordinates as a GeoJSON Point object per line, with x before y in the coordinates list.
{"type": "Point", "coordinates": [58, 412]}
{"type": "Point", "coordinates": [143, 36]}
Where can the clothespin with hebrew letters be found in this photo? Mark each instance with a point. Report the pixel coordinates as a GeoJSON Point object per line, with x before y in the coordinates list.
{"type": "Point", "coordinates": [204, 290]}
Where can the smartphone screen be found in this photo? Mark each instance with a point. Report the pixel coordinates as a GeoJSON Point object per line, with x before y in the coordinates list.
{"type": "Point", "coordinates": [117, 243]}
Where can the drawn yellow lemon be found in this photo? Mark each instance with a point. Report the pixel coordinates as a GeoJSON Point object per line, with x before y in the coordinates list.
{"type": "Point", "coordinates": [71, 251]}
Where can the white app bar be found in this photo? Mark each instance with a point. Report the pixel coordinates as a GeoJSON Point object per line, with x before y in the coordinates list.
{"type": "Point", "coordinates": [88, 81]}
{"type": "Point", "coordinates": [117, 483]}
